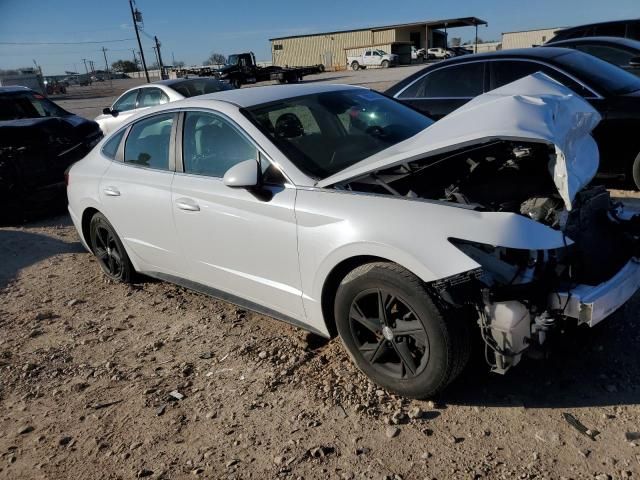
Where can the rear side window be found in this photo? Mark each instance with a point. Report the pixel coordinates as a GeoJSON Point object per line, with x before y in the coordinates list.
{"type": "Point", "coordinates": [507, 71]}
{"type": "Point", "coordinates": [610, 54]}
{"type": "Point", "coordinates": [126, 101]}
{"type": "Point", "coordinates": [457, 81]}
{"type": "Point", "coordinates": [150, 97]}
{"type": "Point", "coordinates": [610, 30]}
{"type": "Point", "coordinates": [148, 142]}
{"type": "Point", "coordinates": [110, 148]}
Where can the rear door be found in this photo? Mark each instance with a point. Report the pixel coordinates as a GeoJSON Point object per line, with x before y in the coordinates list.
{"type": "Point", "coordinates": [135, 193]}
{"type": "Point", "coordinates": [238, 241]}
{"type": "Point", "coordinates": [441, 91]}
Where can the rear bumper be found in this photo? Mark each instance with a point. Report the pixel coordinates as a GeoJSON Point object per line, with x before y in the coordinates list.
{"type": "Point", "coordinates": [592, 304]}
{"type": "Point", "coordinates": [77, 222]}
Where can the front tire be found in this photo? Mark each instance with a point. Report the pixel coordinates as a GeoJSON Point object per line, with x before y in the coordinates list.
{"type": "Point", "coordinates": [395, 334]}
{"type": "Point", "coordinates": [385, 64]}
{"type": "Point", "coordinates": [109, 250]}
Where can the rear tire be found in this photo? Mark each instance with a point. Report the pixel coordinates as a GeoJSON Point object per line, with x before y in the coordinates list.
{"type": "Point", "coordinates": [636, 172]}
{"type": "Point", "coordinates": [413, 351]}
{"type": "Point", "coordinates": [109, 250]}
{"type": "Point", "coordinates": [355, 66]}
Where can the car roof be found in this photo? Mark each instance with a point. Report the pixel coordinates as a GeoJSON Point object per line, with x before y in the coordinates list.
{"type": "Point", "coordinates": [14, 89]}
{"type": "Point", "coordinates": [249, 97]}
{"type": "Point", "coordinates": [625, 42]}
{"type": "Point", "coordinates": [533, 52]}
{"type": "Point", "coordinates": [589, 25]}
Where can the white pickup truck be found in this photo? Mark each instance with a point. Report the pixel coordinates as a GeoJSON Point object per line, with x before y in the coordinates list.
{"type": "Point", "coordinates": [373, 57]}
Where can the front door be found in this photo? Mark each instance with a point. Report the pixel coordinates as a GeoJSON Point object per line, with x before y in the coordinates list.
{"type": "Point", "coordinates": [235, 240]}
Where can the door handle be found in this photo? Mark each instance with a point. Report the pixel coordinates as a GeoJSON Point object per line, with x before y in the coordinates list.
{"type": "Point", "coordinates": [187, 204]}
{"type": "Point", "coordinates": [112, 191]}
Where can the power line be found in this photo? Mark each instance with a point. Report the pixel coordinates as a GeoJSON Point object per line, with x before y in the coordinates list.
{"type": "Point", "coordinates": [67, 43]}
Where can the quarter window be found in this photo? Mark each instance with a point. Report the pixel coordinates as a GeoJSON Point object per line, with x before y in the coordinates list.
{"type": "Point", "coordinates": [211, 145]}
{"type": "Point", "coordinates": [126, 101]}
{"type": "Point", "coordinates": [110, 148]}
{"type": "Point", "coordinates": [152, 96]}
{"type": "Point", "coordinates": [148, 142]}
{"type": "Point", "coordinates": [458, 81]}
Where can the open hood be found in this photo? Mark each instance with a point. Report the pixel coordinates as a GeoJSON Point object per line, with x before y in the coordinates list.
{"type": "Point", "coordinates": [533, 109]}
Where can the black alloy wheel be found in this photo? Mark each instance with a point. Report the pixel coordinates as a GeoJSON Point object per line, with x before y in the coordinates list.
{"type": "Point", "coordinates": [109, 250]}
{"type": "Point", "coordinates": [395, 334]}
{"type": "Point", "coordinates": [389, 334]}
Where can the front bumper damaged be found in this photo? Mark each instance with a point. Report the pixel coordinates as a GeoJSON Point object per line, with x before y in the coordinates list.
{"type": "Point", "coordinates": [592, 304]}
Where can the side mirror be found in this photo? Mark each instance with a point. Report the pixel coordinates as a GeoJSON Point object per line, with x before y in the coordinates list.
{"type": "Point", "coordinates": [243, 175]}
{"type": "Point", "coordinates": [108, 111]}
{"type": "Point", "coordinates": [634, 62]}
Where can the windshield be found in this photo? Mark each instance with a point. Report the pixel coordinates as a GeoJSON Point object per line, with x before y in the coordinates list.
{"type": "Point", "coordinates": [381, 52]}
{"type": "Point", "coordinates": [28, 105]}
{"type": "Point", "coordinates": [200, 86]}
{"type": "Point", "coordinates": [604, 76]}
{"type": "Point", "coordinates": [327, 132]}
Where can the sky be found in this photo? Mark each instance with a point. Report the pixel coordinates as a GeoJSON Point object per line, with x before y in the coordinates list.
{"type": "Point", "coordinates": [190, 30]}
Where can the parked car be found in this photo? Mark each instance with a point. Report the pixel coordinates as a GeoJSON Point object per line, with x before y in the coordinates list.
{"type": "Point", "coordinates": [439, 53]}
{"type": "Point", "coordinates": [139, 98]}
{"type": "Point", "coordinates": [38, 142]}
{"type": "Point", "coordinates": [372, 58]}
{"type": "Point", "coordinates": [439, 89]}
{"type": "Point", "coordinates": [460, 51]}
{"type": "Point", "coordinates": [340, 210]}
{"type": "Point", "coordinates": [619, 28]}
{"type": "Point", "coordinates": [621, 52]}
{"type": "Point", "coordinates": [418, 54]}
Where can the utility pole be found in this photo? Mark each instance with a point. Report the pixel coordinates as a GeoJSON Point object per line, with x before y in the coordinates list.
{"type": "Point", "coordinates": [173, 58]}
{"type": "Point", "coordinates": [84, 60]}
{"type": "Point", "coordinates": [135, 15]}
{"type": "Point", "coordinates": [106, 65]}
{"type": "Point", "coordinates": [159, 57]}
{"type": "Point", "coordinates": [135, 59]}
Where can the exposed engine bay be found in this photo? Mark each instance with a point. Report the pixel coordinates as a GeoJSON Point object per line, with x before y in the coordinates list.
{"type": "Point", "coordinates": [520, 295]}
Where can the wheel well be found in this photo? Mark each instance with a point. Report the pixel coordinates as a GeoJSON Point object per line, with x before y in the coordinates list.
{"type": "Point", "coordinates": [330, 287]}
{"type": "Point", "coordinates": [87, 215]}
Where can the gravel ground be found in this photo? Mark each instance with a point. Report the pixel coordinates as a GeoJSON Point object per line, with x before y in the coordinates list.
{"type": "Point", "coordinates": [103, 380]}
{"type": "Point", "coordinates": [89, 367]}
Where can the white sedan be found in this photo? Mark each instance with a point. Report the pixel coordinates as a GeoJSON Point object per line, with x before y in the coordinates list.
{"type": "Point", "coordinates": [149, 95]}
{"type": "Point", "coordinates": [339, 210]}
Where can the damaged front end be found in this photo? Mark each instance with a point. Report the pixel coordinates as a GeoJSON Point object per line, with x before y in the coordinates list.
{"type": "Point", "coordinates": [533, 156]}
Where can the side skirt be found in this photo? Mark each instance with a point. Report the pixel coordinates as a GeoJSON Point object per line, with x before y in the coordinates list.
{"type": "Point", "coordinates": [230, 298]}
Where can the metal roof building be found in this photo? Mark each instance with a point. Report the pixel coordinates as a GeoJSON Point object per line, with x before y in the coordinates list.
{"type": "Point", "coordinates": [528, 38]}
{"type": "Point", "coordinates": [332, 48]}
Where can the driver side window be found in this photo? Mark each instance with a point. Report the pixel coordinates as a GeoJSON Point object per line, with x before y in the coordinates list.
{"type": "Point", "coordinates": [126, 102]}
{"type": "Point", "coordinates": [211, 145]}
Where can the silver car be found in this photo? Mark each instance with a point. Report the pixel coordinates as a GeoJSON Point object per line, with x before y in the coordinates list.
{"type": "Point", "coordinates": [137, 99]}
{"type": "Point", "coordinates": [342, 211]}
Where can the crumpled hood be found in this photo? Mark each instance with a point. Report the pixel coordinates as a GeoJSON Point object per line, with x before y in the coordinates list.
{"type": "Point", "coordinates": [533, 109]}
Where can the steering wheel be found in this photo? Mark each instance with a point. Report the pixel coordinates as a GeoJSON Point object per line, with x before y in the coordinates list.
{"type": "Point", "coordinates": [375, 131]}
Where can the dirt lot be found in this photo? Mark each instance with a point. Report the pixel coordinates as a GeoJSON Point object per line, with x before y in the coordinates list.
{"type": "Point", "coordinates": [88, 368]}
